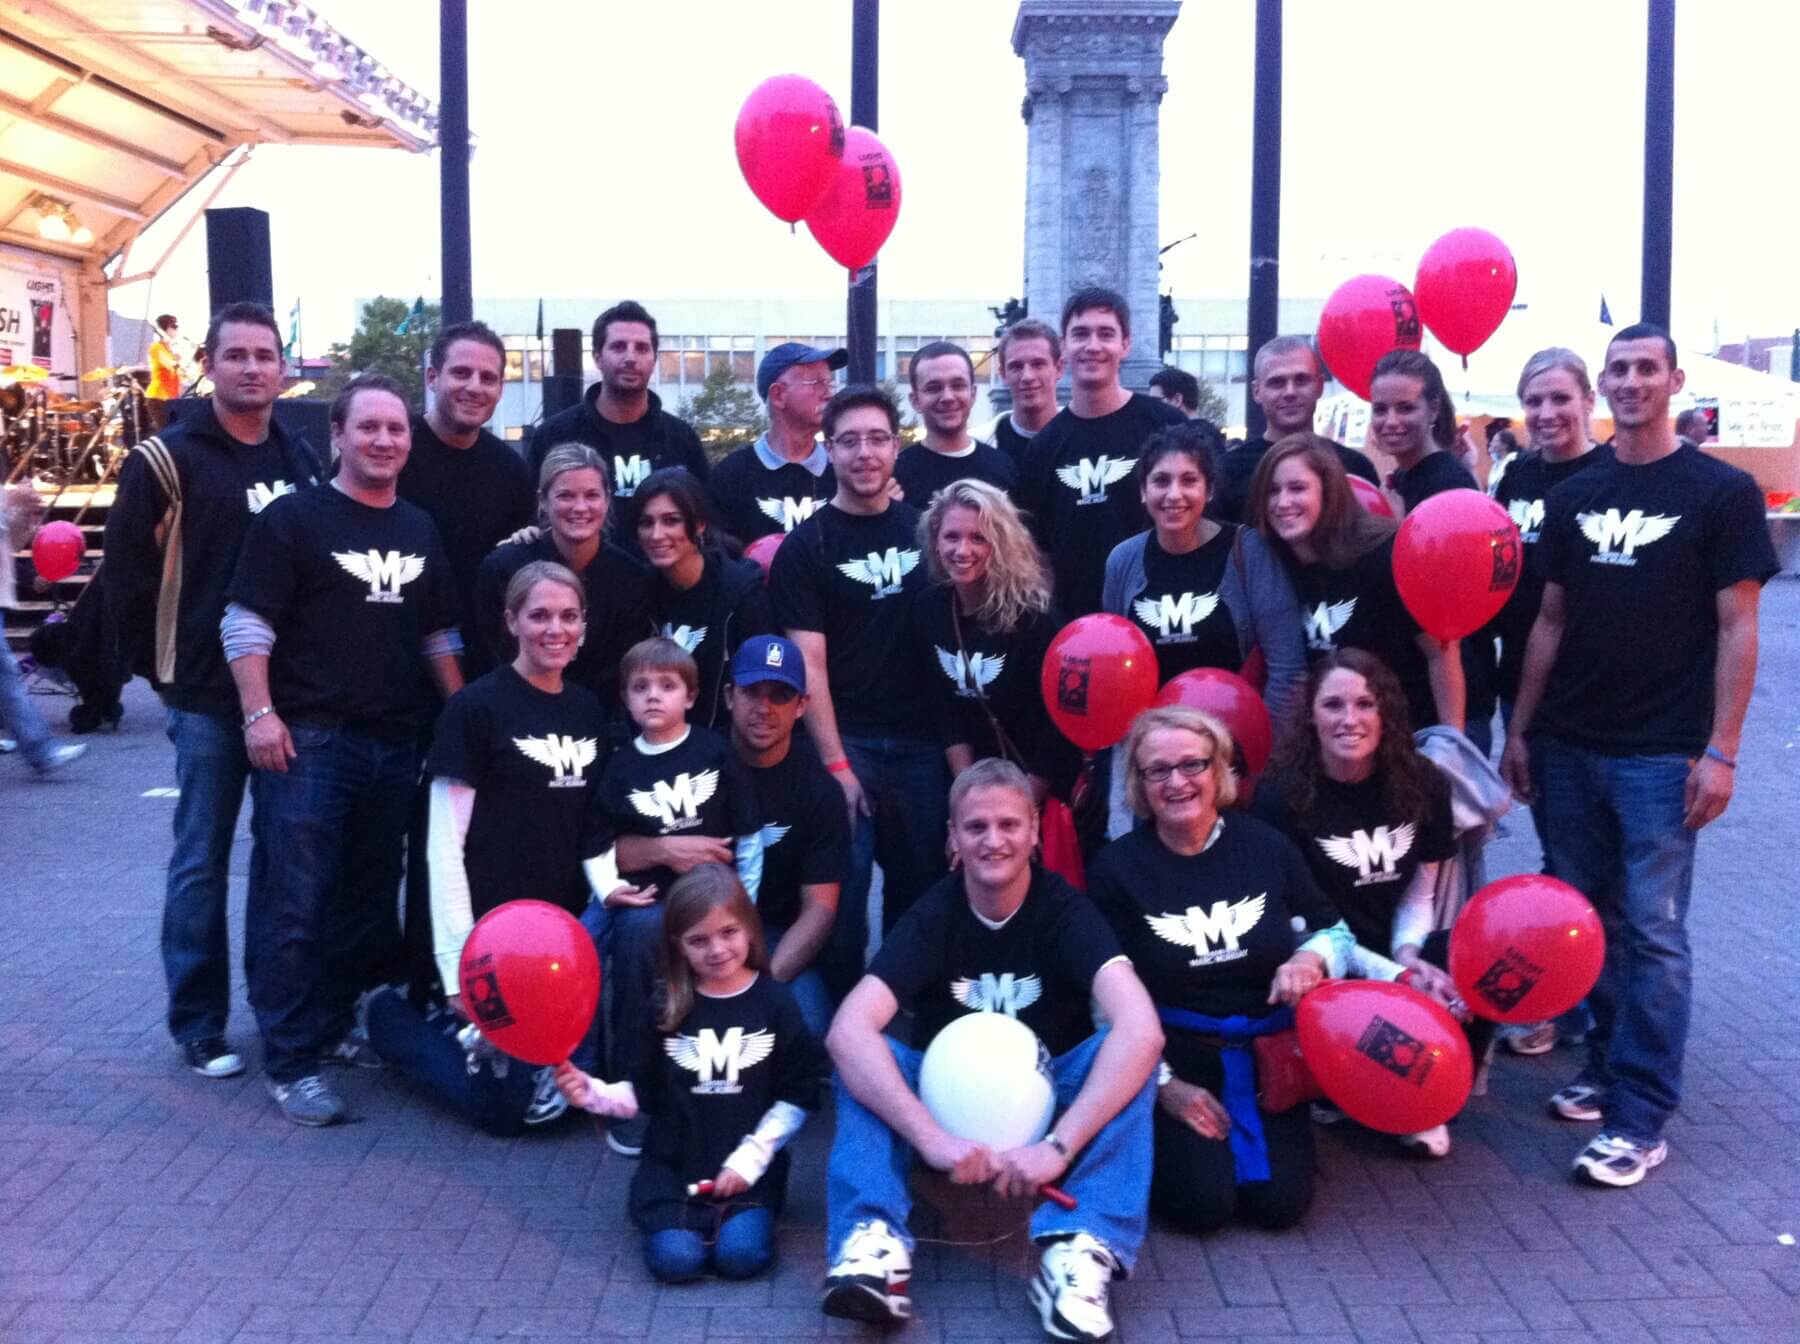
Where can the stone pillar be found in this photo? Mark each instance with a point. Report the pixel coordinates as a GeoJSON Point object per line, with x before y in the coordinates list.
{"type": "Point", "coordinates": [1093, 90]}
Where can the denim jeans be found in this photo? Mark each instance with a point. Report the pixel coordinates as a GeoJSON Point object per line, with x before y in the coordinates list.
{"type": "Point", "coordinates": [808, 988]}
{"type": "Point", "coordinates": [1110, 1179]}
{"type": "Point", "coordinates": [19, 718]}
{"type": "Point", "coordinates": [210, 770]}
{"type": "Point", "coordinates": [422, 1046]}
{"type": "Point", "coordinates": [743, 1248]}
{"type": "Point", "coordinates": [626, 936]}
{"type": "Point", "coordinates": [1615, 834]}
{"type": "Point", "coordinates": [907, 785]}
{"type": "Point", "coordinates": [322, 921]}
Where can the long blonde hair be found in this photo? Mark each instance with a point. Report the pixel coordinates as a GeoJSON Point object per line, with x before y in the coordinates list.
{"type": "Point", "coordinates": [696, 894]}
{"type": "Point", "coordinates": [1018, 581]}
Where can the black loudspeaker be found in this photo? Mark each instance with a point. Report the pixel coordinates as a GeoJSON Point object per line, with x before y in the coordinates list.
{"type": "Point", "coordinates": [308, 418]}
{"type": "Point", "coordinates": [237, 258]}
{"type": "Point", "coordinates": [565, 352]}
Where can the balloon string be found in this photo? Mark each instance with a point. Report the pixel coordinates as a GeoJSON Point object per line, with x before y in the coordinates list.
{"type": "Point", "coordinates": [1465, 360]}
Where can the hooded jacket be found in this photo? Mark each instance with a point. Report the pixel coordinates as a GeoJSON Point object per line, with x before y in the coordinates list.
{"type": "Point", "coordinates": [672, 442]}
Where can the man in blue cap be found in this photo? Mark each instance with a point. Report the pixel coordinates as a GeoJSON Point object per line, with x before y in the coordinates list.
{"type": "Point", "coordinates": [805, 829]}
{"type": "Point", "coordinates": [775, 484]}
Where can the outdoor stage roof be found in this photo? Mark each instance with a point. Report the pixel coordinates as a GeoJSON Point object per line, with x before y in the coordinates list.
{"type": "Point", "coordinates": [115, 108]}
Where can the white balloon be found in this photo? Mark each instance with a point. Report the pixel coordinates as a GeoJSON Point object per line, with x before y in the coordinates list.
{"type": "Point", "coordinates": [986, 1078]}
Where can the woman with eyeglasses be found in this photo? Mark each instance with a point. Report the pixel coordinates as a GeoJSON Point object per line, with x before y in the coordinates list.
{"type": "Point", "coordinates": [1210, 906]}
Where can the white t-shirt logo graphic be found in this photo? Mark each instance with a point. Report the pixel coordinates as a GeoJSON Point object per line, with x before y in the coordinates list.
{"type": "Point", "coordinates": [1374, 854]}
{"type": "Point", "coordinates": [1325, 620]}
{"type": "Point", "coordinates": [1174, 618]}
{"type": "Point", "coordinates": [773, 834]}
{"type": "Point", "coordinates": [261, 495]}
{"type": "Point", "coordinates": [1528, 517]}
{"type": "Point", "coordinates": [882, 572]}
{"type": "Point", "coordinates": [1625, 532]}
{"type": "Point", "coordinates": [1003, 993]}
{"type": "Point", "coordinates": [1214, 933]}
{"type": "Point", "coordinates": [1089, 477]}
{"type": "Point", "coordinates": [969, 672]}
{"type": "Point", "coordinates": [629, 474]}
{"type": "Point", "coordinates": [688, 636]}
{"type": "Point", "coordinates": [677, 803]}
{"type": "Point", "coordinates": [789, 512]}
{"type": "Point", "coordinates": [386, 572]}
{"type": "Point", "coordinates": [564, 756]}
{"type": "Point", "coordinates": [717, 1059]}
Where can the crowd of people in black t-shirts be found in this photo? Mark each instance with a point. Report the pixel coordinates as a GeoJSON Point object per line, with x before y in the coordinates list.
{"type": "Point", "coordinates": [451, 676]}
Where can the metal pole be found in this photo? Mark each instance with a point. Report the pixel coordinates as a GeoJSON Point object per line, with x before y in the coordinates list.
{"type": "Point", "coordinates": [453, 158]}
{"type": "Point", "coordinates": [1659, 160]}
{"type": "Point", "coordinates": [1265, 199]}
{"type": "Point", "coordinates": [865, 71]}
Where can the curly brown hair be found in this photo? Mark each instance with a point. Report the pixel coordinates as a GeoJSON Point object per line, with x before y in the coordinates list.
{"type": "Point", "coordinates": [1407, 778]}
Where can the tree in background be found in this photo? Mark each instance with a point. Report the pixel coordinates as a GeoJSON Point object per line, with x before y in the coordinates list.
{"type": "Point", "coordinates": [392, 336]}
{"type": "Point", "coordinates": [1213, 405]}
{"type": "Point", "coordinates": [725, 413]}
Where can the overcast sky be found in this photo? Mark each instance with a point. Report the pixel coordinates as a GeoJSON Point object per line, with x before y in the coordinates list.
{"type": "Point", "coordinates": [605, 167]}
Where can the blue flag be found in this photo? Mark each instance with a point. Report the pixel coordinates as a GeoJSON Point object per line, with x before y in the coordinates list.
{"type": "Point", "coordinates": [418, 311]}
{"type": "Point", "coordinates": [1605, 313]}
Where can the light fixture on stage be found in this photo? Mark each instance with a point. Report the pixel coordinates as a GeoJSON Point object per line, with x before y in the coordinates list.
{"type": "Point", "coordinates": [57, 222]}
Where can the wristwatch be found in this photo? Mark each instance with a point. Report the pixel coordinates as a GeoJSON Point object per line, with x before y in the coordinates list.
{"type": "Point", "coordinates": [1056, 1143]}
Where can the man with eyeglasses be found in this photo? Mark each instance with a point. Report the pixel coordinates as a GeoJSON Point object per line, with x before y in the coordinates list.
{"type": "Point", "coordinates": [841, 584]}
{"type": "Point", "coordinates": [943, 393]}
{"type": "Point", "coordinates": [774, 484]}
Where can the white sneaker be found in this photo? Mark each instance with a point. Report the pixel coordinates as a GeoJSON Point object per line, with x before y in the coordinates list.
{"type": "Point", "coordinates": [1433, 1142]}
{"type": "Point", "coordinates": [1611, 1160]}
{"type": "Point", "coordinates": [1071, 1286]}
{"type": "Point", "coordinates": [1538, 1039]}
{"type": "Point", "coordinates": [869, 1281]}
{"type": "Point", "coordinates": [547, 1101]}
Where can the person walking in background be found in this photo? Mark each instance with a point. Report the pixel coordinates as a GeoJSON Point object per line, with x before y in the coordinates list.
{"type": "Point", "coordinates": [22, 728]}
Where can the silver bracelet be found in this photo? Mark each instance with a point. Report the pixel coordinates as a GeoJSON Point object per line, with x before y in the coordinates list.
{"type": "Point", "coordinates": [1056, 1143]}
{"type": "Point", "coordinates": [266, 709]}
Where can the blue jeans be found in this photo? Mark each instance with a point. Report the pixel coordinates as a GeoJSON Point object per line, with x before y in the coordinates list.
{"type": "Point", "coordinates": [322, 921]}
{"type": "Point", "coordinates": [1110, 1180]}
{"type": "Point", "coordinates": [626, 936]}
{"type": "Point", "coordinates": [1615, 834]}
{"type": "Point", "coordinates": [18, 716]}
{"type": "Point", "coordinates": [808, 988]}
{"type": "Point", "coordinates": [423, 1047]}
{"type": "Point", "coordinates": [210, 770]}
{"type": "Point", "coordinates": [907, 784]}
{"type": "Point", "coordinates": [743, 1248]}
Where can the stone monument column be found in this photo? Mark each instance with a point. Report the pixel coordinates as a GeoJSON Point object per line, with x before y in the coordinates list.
{"type": "Point", "coordinates": [1093, 92]}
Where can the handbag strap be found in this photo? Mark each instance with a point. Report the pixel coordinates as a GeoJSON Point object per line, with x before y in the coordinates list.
{"type": "Point", "coordinates": [1007, 749]}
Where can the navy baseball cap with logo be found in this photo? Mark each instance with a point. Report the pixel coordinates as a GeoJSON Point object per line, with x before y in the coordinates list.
{"type": "Point", "coordinates": [784, 356]}
{"type": "Point", "coordinates": [769, 658]}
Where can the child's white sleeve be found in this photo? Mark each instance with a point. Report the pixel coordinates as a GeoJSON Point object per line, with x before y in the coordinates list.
{"type": "Point", "coordinates": [452, 912]}
{"type": "Point", "coordinates": [1334, 945]}
{"type": "Point", "coordinates": [751, 1158]}
{"type": "Point", "coordinates": [602, 873]}
{"type": "Point", "coordinates": [750, 863]}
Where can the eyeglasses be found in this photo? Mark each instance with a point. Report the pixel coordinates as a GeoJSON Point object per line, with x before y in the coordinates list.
{"type": "Point", "coordinates": [1191, 768]}
{"type": "Point", "coordinates": [810, 382]}
{"type": "Point", "coordinates": [875, 438]}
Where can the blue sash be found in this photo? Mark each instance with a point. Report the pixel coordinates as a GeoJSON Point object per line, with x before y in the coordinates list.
{"type": "Point", "coordinates": [1249, 1148]}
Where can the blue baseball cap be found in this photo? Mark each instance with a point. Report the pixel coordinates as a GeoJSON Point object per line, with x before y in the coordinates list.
{"type": "Point", "coordinates": [769, 658]}
{"type": "Point", "coordinates": [784, 356]}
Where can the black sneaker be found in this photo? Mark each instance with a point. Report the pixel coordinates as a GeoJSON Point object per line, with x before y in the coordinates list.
{"type": "Point", "coordinates": [308, 1101]}
{"type": "Point", "coordinates": [626, 1137]}
{"type": "Point", "coordinates": [212, 1058]}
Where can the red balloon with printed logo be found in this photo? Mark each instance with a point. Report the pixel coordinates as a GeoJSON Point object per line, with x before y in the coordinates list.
{"type": "Point", "coordinates": [763, 549]}
{"type": "Point", "coordinates": [1233, 702]}
{"type": "Point", "coordinates": [56, 551]}
{"type": "Point", "coordinates": [1364, 318]}
{"type": "Point", "coordinates": [1370, 497]}
{"type": "Point", "coordinates": [530, 980]}
{"type": "Point", "coordinates": [1465, 288]}
{"type": "Point", "coordinates": [1387, 1055]}
{"type": "Point", "coordinates": [790, 140]}
{"type": "Point", "coordinates": [862, 204]}
{"type": "Point", "coordinates": [1526, 948]}
{"type": "Point", "coordinates": [1456, 561]}
{"type": "Point", "coordinates": [1099, 673]}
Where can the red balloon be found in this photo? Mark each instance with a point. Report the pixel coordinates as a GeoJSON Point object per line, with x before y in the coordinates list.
{"type": "Point", "coordinates": [1526, 948]}
{"type": "Point", "coordinates": [1099, 674]}
{"type": "Point", "coordinates": [763, 549]}
{"type": "Point", "coordinates": [1364, 318]}
{"type": "Point", "coordinates": [1456, 561]}
{"type": "Point", "coordinates": [1465, 286]}
{"type": "Point", "coordinates": [862, 204]}
{"type": "Point", "coordinates": [1390, 1058]}
{"type": "Point", "coordinates": [1370, 497]}
{"type": "Point", "coordinates": [56, 551]}
{"type": "Point", "coordinates": [530, 980]}
{"type": "Point", "coordinates": [790, 140]}
{"type": "Point", "coordinates": [1233, 702]}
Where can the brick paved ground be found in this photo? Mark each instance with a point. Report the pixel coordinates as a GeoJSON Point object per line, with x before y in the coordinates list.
{"type": "Point", "coordinates": [140, 1203]}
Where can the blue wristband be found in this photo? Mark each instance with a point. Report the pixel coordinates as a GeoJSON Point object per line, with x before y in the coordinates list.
{"type": "Point", "coordinates": [1713, 753]}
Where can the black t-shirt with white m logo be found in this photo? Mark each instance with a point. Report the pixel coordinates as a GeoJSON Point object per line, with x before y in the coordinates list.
{"type": "Point", "coordinates": [698, 786]}
{"type": "Point", "coordinates": [352, 591]}
{"type": "Point", "coordinates": [1641, 554]}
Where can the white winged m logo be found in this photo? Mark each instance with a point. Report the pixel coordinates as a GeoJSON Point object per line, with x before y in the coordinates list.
{"type": "Point", "coordinates": [772, 835]}
{"type": "Point", "coordinates": [1214, 933]}
{"type": "Point", "coordinates": [719, 1060]}
{"type": "Point", "coordinates": [629, 474]}
{"type": "Point", "coordinates": [1002, 993]}
{"type": "Point", "coordinates": [789, 512]}
{"type": "Point", "coordinates": [260, 496]}
{"type": "Point", "coordinates": [882, 572]}
{"type": "Point", "coordinates": [1089, 477]}
{"type": "Point", "coordinates": [1628, 532]}
{"type": "Point", "coordinates": [565, 756]}
{"type": "Point", "coordinates": [1325, 620]}
{"type": "Point", "coordinates": [688, 636]}
{"type": "Point", "coordinates": [386, 572]}
{"type": "Point", "coordinates": [1374, 854]}
{"type": "Point", "coordinates": [1174, 618]}
{"type": "Point", "coordinates": [1528, 517]}
{"type": "Point", "coordinates": [676, 804]}
{"type": "Point", "coordinates": [970, 672]}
